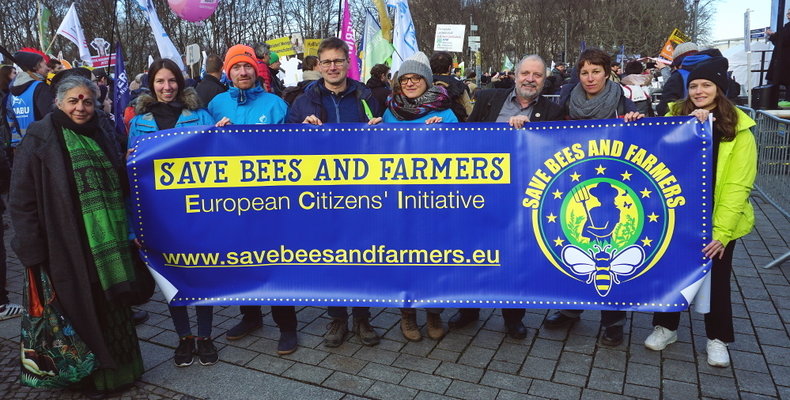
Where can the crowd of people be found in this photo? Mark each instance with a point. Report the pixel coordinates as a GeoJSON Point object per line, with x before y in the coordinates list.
{"type": "Point", "coordinates": [67, 185]}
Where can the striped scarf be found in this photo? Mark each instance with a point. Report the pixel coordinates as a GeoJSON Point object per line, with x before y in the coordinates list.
{"type": "Point", "coordinates": [406, 109]}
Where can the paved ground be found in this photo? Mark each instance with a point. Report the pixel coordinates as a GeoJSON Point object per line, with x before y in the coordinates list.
{"type": "Point", "coordinates": [477, 362]}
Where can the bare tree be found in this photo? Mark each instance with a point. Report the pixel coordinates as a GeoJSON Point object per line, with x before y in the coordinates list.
{"type": "Point", "coordinates": [506, 27]}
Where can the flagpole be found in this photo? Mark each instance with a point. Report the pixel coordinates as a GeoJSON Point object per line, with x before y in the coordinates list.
{"type": "Point", "coordinates": [339, 15]}
{"type": "Point", "coordinates": [50, 44]}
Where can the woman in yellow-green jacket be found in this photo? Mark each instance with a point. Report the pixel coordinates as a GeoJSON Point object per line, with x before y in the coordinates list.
{"type": "Point", "coordinates": [735, 167]}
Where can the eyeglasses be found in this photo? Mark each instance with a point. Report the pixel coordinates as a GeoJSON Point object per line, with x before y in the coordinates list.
{"type": "Point", "coordinates": [415, 79]}
{"type": "Point", "coordinates": [337, 62]}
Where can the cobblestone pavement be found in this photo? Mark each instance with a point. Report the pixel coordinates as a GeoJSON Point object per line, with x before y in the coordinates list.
{"type": "Point", "coordinates": [477, 362]}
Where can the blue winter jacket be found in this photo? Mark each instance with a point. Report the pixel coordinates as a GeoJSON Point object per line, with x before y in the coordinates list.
{"type": "Point", "coordinates": [251, 106]}
{"type": "Point", "coordinates": [329, 107]}
{"type": "Point", "coordinates": [144, 123]}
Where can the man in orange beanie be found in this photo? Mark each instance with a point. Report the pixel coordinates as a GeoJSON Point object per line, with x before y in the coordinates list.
{"type": "Point", "coordinates": [247, 103]}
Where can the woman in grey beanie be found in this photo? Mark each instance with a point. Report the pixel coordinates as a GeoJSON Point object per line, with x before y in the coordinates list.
{"type": "Point", "coordinates": [414, 97]}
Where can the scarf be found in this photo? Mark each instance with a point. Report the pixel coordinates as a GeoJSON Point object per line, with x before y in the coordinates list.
{"type": "Point", "coordinates": [89, 128]}
{"type": "Point", "coordinates": [602, 106]}
{"type": "Point", "coordinates": [166, 114]}
{"type": "Point", "coordinates": [406, 109]}
{"type": "Point", "coordinates": [103, 212]}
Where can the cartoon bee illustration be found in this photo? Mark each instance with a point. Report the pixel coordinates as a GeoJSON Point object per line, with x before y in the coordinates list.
{"type": "Point", "coordinates": [602, 266]}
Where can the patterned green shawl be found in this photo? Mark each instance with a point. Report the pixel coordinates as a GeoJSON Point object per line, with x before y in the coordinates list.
{"type": "Point", "coordinates": [103, 212]}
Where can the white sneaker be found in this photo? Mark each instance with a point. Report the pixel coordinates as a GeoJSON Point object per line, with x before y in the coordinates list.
{"type": "Point", "coordinates": [660, 338]}
{"type": "Point", "coordinates": [718, 356]}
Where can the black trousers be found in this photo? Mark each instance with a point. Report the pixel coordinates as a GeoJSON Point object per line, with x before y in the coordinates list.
{"type": "Point", "coordinates": [608, 318]}
{"type": "Point", "coordinates": [718, 322]}
{"type": "Point", "coordinates": [284, 316]}
{"type": "Point", "coordinates": [512, 316]}
{"type": "Point", "coordinates": [3, 265]}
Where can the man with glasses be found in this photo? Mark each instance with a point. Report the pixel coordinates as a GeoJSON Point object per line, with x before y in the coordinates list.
{"type": "Point", "coordinates": [518, 106]}
{"type": "Point", "coordinates": [332, 99]}
{"type": "Point", "coordinates": [335, 97]}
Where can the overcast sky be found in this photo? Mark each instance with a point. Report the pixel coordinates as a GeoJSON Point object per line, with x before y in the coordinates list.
{"type": "Point", "coordinates": [728, 20]}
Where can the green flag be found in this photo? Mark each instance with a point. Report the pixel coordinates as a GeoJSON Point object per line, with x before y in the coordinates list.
{"type": "Point", "coordinates": [43, 26]}
{"type": "Point", "coordinates": [507, 65]}
{"type": "Point", "coordinates": [376, 49]}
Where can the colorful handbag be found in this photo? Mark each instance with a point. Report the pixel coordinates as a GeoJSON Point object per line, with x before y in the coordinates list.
{"type": "Point", "coordinates": [52, 354]}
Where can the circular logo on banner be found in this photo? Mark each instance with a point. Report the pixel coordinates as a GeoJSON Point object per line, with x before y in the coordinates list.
{"type": "Point", "coordinates": [603, 221]}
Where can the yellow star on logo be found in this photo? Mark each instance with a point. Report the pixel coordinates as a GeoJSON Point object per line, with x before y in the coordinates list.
{"type": "Point", "coordinates": [551, 217]}
{"type": "Point", "coordinates": [558, 242]}
{"type": "Point", "coordinates": [557, 194]}
{"type": "Point", "coordinates": [626, 176]}
{"type": "Point", "coordinates": [645, 193]}
{"type": "Point", "coordinates": [575, 177]}
{"type": "Point", "coordinates": [647, 242]}
{"type": "Point", "coordinates": [600, 170]}
{"type": "Point", "coordinates": [653, 217]}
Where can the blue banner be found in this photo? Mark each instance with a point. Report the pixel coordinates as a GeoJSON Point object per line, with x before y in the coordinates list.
{"type": "Point", "coordinates": [581, 214]}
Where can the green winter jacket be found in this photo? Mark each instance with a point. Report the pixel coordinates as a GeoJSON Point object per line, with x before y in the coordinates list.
{"type": "Point", "coordinates": [736, 168]}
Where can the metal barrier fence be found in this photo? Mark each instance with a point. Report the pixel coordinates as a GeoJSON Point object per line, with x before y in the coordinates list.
{"type": "Point", "coordinates": [553, 97]}
{"type": "Point", "coordinates": [773, 164]}
{"type": "Point", "coordinates": [750, 111]}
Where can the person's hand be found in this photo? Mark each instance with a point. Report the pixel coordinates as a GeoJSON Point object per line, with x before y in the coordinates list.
{"type": "Point", "coordinates": [375, 121]}
{"type": "Point", "coordinates": [518, 121]}
{"type": "Point", "coordinates": [701, 114]}
{"type": "Point", "coordinates": [313, 120]}
{"type": "Point", "coordinates": [129, 153]}
{"type": "Point", "coordinates": [713, 249]}
{"type": "Point", "coordinates": [137, 243]}
{"type": "Point", "coordinates": [433, 120]}
{"type": "Point", "coordinates": [223, 122]}
{"type": "Point", "coordinates": [633, 116]}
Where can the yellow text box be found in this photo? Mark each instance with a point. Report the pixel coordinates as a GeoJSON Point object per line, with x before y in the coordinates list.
{"type": "Point", "coordinates": [334, 169]}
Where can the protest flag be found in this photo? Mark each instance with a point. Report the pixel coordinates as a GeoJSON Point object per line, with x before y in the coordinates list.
{"type": "Point", "coordinates": [404, 37]}
{"type": "Point", "coordinates": [43, 26]}
{"type": "Point", "coordinates": [71, 29]}
{"type": "Point", "coordinates": [507, 65]}
{"type": "Point", "coordinates": [376, 49]}
{"type": "Point", "coordinates": [166, 47]}
{"type": "Point", "coordinates": [347, 34]}
{"type": "Point", "coordinates": [121, 95]}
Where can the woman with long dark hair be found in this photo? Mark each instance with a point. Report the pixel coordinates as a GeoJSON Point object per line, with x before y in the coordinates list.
{"type": "Point", "coordinates": [734, 169]}
{"type": "Point", "coordinates": [171, 104]}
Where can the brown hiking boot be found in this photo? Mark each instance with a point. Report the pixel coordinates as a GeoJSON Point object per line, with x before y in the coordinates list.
{"type": "Point", "coordinates": [435, 326]}
{"type": "Point", "coordinates": [366, 334]}
{"type": "Point", "coordinates": [408, 324]}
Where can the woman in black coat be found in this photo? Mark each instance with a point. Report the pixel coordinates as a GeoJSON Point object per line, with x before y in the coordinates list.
{"type": "Point", "coordinates": [68, 212]}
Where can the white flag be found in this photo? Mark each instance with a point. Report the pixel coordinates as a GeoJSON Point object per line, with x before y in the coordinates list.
{"type": "Point", "coordinates": [166, 47]}
{"type": "Point", "coordinates": [404, 37]}
{"type": "Point", "coordinates": [71, 29]}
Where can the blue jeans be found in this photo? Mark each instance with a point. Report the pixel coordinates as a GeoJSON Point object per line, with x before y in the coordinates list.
{"type": "Point", "coordinates": [205, 316]}
{"type": "Point", "coordinates": [342, 312]}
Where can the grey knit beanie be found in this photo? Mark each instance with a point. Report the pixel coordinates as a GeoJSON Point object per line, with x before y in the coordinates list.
{"type": "Point", "coordinates": [684, 48]}
{"type": "Point", "coordinates": [417, 64]}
